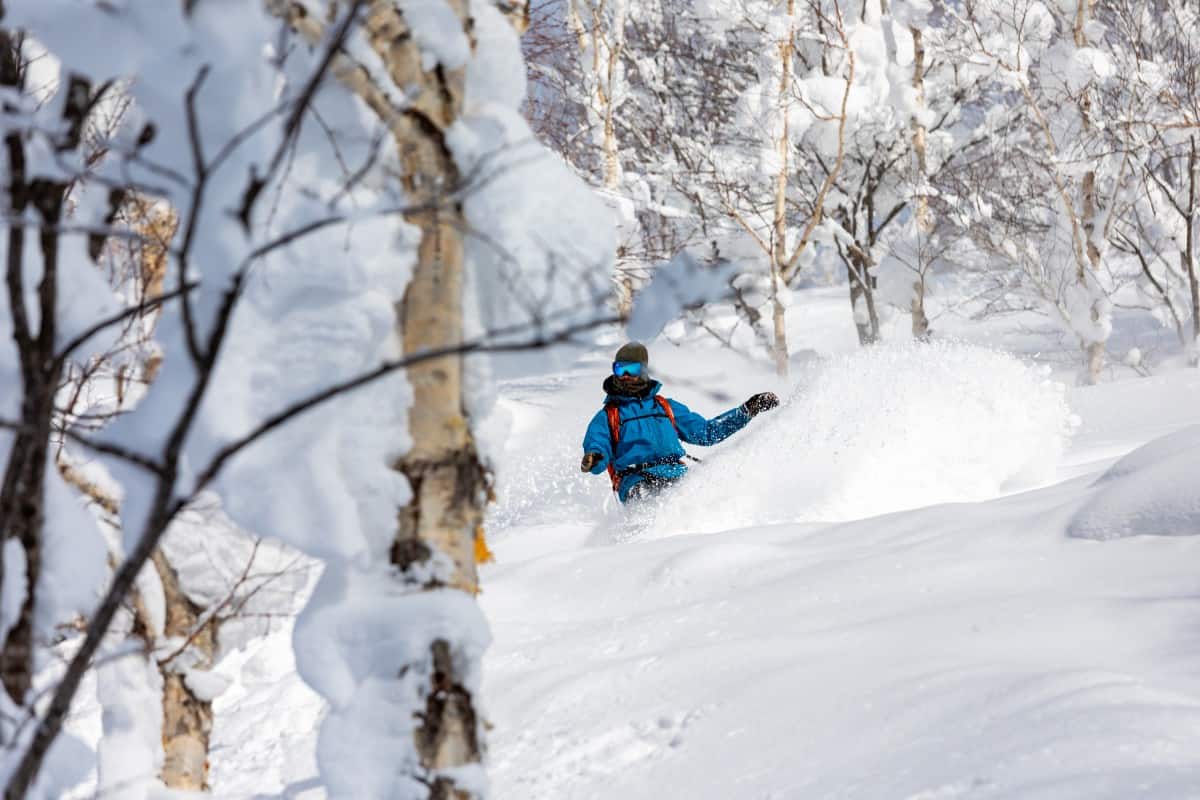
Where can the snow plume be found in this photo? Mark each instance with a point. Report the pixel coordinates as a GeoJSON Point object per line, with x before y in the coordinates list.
{"type": "Point", "coordinates": [884, 429]}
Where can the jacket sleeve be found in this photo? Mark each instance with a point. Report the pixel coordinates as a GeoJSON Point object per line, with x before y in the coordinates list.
{"type": "Point", "coordinates": [598, 439]}
{"type": "Point", "coordinates": [695, 429]}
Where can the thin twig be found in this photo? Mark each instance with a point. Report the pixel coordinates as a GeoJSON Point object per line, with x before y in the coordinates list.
{"type": "Point", "coordinates": [126, 314]}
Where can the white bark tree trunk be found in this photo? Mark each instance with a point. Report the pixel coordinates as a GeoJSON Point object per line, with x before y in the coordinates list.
{"type": "Point", "coordinates": [1189, 254]}
{"type": "Point", "coordinates": [187, 718]}
{"type": "Point", "coordinates": [920, 321]}
{"type": "Point", "coordinates": [449, 483]}
{"type": "Point", "coordinates": [599, 30]}
{"type": "Point", "coordinates": [779, 243]}
{"type": "Point", "coordinates": [1094, 350]}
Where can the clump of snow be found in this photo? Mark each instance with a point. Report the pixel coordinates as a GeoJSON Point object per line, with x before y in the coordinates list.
{"type": "Point", "coordinates": [1078, 67]}
{"type": "Point", "coordinates": [246, 581]}
{"type": "Point", "coordinates": [365, 646]}
{"type": "Point", "coordinates": [130, 753]}
{"type": "Point", "coordinates": [12, 593]}
{"type": "Point", "coordinates": [1088, 311]}
{"type": "Point", "coordinates": [154, 601]}
{"type": "Point", "coordinates": [264, 724]}
{"type": "Point", "coordinates": [1151, 491]}
{"type": "Point", "coordinates": [439, 33]}
{"type": "Point", "coordinates": [681, 283]}
{"type": "Point", "coordinates": [301, 327]}
{"type": "Point", "coordinates": [206, 684]}
{"type": "Point", "coordinates": [74, 564]}
{"type": "Point", "coordinates": [884, 429]}
{"type": "Point", "coordinates": [911, 12]}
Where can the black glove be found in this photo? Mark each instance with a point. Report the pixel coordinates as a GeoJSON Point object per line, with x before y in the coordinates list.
{"type": "Point", "coordinates": [760, 402]}
{"type": "Point", "coordinates": [590, 460]}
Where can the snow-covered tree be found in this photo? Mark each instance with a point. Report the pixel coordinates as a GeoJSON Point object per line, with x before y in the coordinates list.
{"type": "Point", "coordinates": [612, 81]}
{"type": "Point", "coordinates": [749, 179]}
{"type": "Point", "coordinates": [1046, 56]}
{"type": "Point", "coordinates": [1152, 115]}
{"type": "Point", "coordinates": [349, 190]}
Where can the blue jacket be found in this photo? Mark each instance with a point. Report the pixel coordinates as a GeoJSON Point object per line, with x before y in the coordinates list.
{"type": "Point", "coordinates": [648, 440]}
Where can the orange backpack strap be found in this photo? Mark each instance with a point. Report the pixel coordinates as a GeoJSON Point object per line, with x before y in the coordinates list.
{"type": "Point", "coordinates": [666, 406]}
{"type": "Point", "coordinates": [614, 428]}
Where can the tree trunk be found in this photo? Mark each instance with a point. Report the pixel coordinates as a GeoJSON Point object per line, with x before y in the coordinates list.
{"type": "Point", "coordinates": [612, 152]}
{"type": "Point", "coordinates": [1094, 350]}
{"type": "Point", "coordinates": [605, 45]}
{"type": "Point", "coordinates": [920, 322]}
{"type": "Point", "coordinates": [449, 483]}
{"type": "Point", "coordinates": [187, 719]}
{"type": "Point", "coordinates": [22, 515]}
{"type": "Point", "coordinates": [779, 319]}
{"type": "Point", "coordinates": [779, 243]}
{"type": "Point", "coordinates": [624, 286]}
{"type": "Point", "coordinates": [604, 38]}
{"type": "Point", "coordinates": [1189, 256]}
{"type": "Point", "coordinates": [862, 291]}
{"type": "Point", "coordinates": [442, 467]}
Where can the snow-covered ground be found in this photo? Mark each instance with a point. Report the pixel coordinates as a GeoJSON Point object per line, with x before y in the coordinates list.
{"type": "Point", "coordinates": [872, 592]}
{"type": "Point", "coordinates": [966, 648]}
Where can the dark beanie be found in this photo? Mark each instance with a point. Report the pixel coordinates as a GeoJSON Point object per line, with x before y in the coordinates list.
{"type": "Point", "coordinates": [633, 351]}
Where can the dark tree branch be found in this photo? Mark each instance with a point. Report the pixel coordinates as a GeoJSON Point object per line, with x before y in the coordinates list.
{"type": "Point", "coordinates": [122, 316]}
{"type": "Point", "coordinates": [166, 506]}
{"type": "Point", "coordinates": [483, 344]}
{"type": "Point", "coordinates": [189, 229]}
{"type": "Point", "coordinates": [300, 107]}
{"type": "Point", "coordinates": [116, 451]}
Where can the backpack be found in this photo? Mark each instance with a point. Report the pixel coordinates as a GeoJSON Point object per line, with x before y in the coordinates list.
{"type": "Point", "coordinates": [614, 428]}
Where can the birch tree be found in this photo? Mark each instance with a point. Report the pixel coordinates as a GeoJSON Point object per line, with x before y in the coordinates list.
{"type": "Point", "coordinates": [291, 345]}
{"type": "Point", "coordinates": [775, 114]}
{"type": "Point", "coordinates": [923, 214]}
{"type": "Point", "coordinates": [1152, 112]}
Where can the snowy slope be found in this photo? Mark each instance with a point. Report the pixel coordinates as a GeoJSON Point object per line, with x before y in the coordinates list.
{"type": "Point", "coordinates": [934, 633]}
{"type": "Point", "coordinates": [962, 649]}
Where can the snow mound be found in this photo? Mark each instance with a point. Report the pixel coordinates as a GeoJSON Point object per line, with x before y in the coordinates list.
{"type": "Point", "coordinates": [1151, 491]}
{"type": "Point", "coordinates": [1154, 453]}
{"type": "Point", "coordinates": [885, 429]}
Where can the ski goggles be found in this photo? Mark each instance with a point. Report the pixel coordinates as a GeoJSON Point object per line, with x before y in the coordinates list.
{"type": "Point", "coordinates": [632, 368]}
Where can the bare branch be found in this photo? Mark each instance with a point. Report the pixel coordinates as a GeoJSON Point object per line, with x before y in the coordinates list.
{"type": "Point", "coordinates": [123, 316]}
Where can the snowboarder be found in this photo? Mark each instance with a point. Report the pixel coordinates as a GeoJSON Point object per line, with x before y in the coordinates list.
{"type": "Point", "coordinates": [637, 435]}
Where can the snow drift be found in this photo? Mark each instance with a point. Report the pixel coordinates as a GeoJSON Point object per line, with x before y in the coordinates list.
{"type": "Point", "coordinates": [884, 429]}
{"type": "Point", "coordinates": [1150, 491]}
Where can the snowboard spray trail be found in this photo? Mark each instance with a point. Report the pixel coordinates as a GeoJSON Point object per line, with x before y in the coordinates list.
{"type": "Point", "coordinates": [884, 429]}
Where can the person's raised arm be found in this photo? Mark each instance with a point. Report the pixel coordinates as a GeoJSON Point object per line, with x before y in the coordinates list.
{"type": "Point", "coordinates": [695, 429]}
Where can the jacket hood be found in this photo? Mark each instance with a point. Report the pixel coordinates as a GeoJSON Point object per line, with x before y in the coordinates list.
{"type": "Point", "coordinates": [616, 395]}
